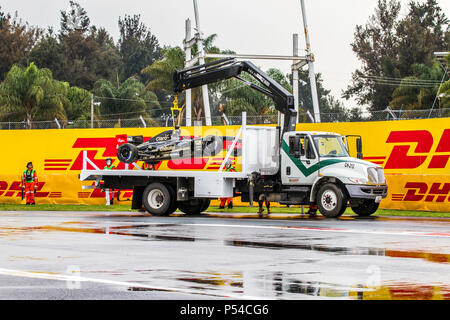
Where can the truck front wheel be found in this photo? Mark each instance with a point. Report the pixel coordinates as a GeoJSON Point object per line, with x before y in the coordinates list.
{"type": "Point", "coordinates": [157, 199]}
{"type": "Point", "coordinates": [331, 201]}
{"type": "Point", "coordinates": [366, 208]}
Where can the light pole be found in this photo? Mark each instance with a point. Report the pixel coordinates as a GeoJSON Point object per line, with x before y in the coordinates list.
{"type": "Point", "coordinates": [92, 109]}
{"type": "Point", "coordinates": [312, 75]}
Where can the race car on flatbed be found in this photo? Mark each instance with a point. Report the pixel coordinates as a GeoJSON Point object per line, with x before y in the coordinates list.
{"type": "Point", "coordinates": [168, 145]}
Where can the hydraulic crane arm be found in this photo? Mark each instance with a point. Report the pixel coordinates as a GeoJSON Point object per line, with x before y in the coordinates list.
{"type": "Point", "coordinates": [230, 68]}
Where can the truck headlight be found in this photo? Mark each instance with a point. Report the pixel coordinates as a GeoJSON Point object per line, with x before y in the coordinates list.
{"type": "Point", "coordinates": [381, 177]}
{"type": "Point", "coordinates": [372, 174]}
{"type": "Point", "coordinates": [376, 175]}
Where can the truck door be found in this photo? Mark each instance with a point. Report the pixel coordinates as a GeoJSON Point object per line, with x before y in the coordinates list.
{"type": "Point", "coordinates": [299, 161]}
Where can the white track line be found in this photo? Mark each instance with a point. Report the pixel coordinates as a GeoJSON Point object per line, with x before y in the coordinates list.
{"type": "Point", "coordinates": [69, 278]}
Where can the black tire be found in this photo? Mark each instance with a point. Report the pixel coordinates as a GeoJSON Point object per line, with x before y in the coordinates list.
{"type": "Point", "coordinates": [193, 207]}
{"type": "Point", "coordinates": [157, 199]}
{"type": "Point", "coordinates": [206, 203]}
{"type": "Point", "coordinates": [174, 203]}
{"type": "Point", "coordinates": [331, 201]}
{"type": "Point", "coordinates": [212, 145]}
{"type": "Point", "coordinates": [367, 208]}
{"type": "Point", "coordinates": [127, 153]}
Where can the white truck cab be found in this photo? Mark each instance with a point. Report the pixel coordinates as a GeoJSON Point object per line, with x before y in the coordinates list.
{"type": "Point", "coordinates": [321, 160]}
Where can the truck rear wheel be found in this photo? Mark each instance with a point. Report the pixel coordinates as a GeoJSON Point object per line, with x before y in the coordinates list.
{"type": "Point", "coordinates": [331, 201]}
{"type": "Point", "coordinates": [206, 203]}
{"type": "Point", "coordinates": [367, 208]}
{"type": "Point", "coordinates": [193, 207]}
{"type": "Point", "coordinates": [157, 199]}
{"type": "Point", "coordinates": [174, 203]}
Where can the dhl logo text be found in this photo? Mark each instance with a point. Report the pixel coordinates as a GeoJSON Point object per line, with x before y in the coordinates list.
{"type": "Point", "coordinates": [421, 191]}
{"type": "Point", "coordinates": [405, 156]}
{"type": "Point", "coordinates": [14, 190]}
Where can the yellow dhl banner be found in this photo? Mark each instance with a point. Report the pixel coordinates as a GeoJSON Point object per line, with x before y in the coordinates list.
{"type": "Point", "coordinates": [57, 157]}
{"type": "Point", "coordinates": [414, 153]}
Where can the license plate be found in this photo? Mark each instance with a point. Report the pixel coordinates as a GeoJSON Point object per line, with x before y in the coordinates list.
{"type": "Point", "coordinates": [378, 199]}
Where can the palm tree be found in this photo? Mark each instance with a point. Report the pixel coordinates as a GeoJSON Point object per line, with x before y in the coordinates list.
{"type": "Point", "coordinates": [418, 92]}
{"type": "Point", "coordinates": [30, 93]}
{"type": "Point", "coordinates": [161, 71]}
{"type": "Point", "coordinates": [129, 99]}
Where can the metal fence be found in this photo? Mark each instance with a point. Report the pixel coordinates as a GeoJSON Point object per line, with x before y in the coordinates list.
{"type": "Point", "coordinates": [390, 115]}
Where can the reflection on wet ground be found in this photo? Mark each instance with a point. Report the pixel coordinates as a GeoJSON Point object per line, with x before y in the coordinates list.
{"type": "Point", "coordinates": [144, 231]}
{"type": "Point", "coordinates": [280, 285]}
{"type": "Point", "coordinates": [283, 262]}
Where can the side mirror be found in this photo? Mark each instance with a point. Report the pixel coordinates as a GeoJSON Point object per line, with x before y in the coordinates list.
{"type": "Point", "coordinates": [359, 148]}
{"type": "Point", "coordinates": [297, 154]}
{"type": "Point", "coordinates": [294, 145]}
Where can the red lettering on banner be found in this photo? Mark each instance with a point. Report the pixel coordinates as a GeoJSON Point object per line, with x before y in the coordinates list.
{"type": "Point", "coordinates": [3, 187]}
{"type": "Point", "coordinates": [419, 191]}
{"type": "Point", "coordinates": [109, 144]}
{"type": "Point", "coordinates": [399, 158]}
{"type": "Point", "coordinates": [437, 191]}
{"type": "Point", "coordinates": [440, 161]}
{"type": "Point", "coordinates": [78, 163]}
{"type": "Point", "coordinates": [411, 194]}
{"type": "Point", "coordinates": [16, 187]}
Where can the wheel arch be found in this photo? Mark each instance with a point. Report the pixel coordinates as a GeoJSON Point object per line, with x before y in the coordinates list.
{"type": "Point", "coordinates": [324, 180]}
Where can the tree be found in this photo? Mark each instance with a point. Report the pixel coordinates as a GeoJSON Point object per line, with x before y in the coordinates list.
{"type": "Point", "coordinates": [331, 109]}
{"type": "Point", "coordinates": [79, 107]}
{"type": "Point", "coordinates": [422, 32]}
{"type": "Point", "coordinates": [390, 47]}
{"type": "Point", "coordinates": [419, 90]}
{"type": "Point", "coordinates": [32, 94]}
{"type": "Point", "coordinates": [237, 97]}
{"type": "Point", "coordinates": [129, 99]}
{"type": "Point", "coordinates": [444, 93]}
{"type": "Point", "coordinates": [48, 53]}
{"type": "Point", "coordinates": [375, 46]}
{"type": "Point", "coordinates": [89, 52]}
{"type": "Point", "coordinates": [161, 74]}
{"type": "Point", "coordinates": [75, 19]}
{"type": "Point", "coordinates": [17, 39]}
{"type": "Point", "coordinates": [161, 71]}
{"type": "Point", "coordinates": [137, 47]}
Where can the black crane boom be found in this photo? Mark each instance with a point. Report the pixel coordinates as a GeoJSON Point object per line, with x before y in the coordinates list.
{"type": "Point", "coordinates": [223, 69]}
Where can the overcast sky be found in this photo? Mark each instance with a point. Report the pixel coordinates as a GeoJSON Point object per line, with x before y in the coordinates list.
{"type": "Point", "coordinates": [245, 26]}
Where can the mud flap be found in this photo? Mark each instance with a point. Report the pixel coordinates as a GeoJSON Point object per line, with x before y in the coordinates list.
{"type": "Point", "coordinates": [136, 203]}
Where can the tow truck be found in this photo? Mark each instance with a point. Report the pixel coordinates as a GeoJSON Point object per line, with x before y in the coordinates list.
{"type": "Point", "coordinates": [278, 163]}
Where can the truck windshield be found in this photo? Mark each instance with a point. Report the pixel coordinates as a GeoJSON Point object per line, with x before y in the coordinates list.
{"type": "Point", "coordinates": [330, 146]}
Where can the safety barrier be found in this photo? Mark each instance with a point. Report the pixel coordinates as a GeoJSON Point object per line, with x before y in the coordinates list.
{"type": "Point", "coordinates": [414, 153]}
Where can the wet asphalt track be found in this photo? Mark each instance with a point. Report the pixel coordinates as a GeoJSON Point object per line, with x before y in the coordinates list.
{"type": "Point", "coordinates": [101, 255]}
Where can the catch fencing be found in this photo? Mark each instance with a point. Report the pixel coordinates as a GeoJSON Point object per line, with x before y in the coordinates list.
{"type": "Point", "coordinates": [166, 120]}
